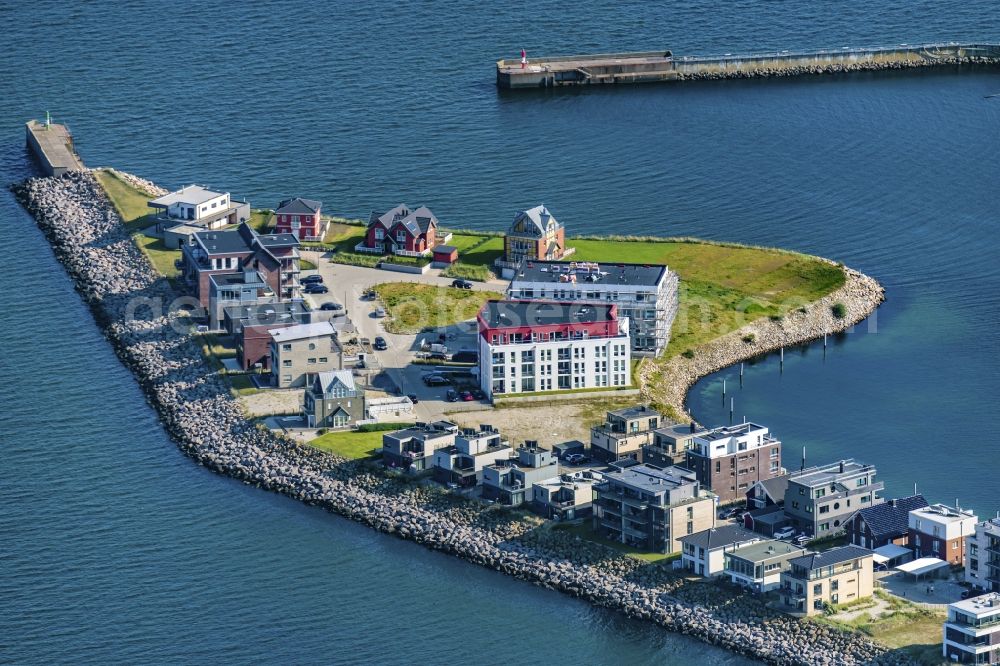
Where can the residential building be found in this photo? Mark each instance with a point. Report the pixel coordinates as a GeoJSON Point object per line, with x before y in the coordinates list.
{"type": "Point", "coordinates": [300, 353]}
{"type": "Point", "coordinates": [246, 288]}
{"type": "Point", "coordinates": [703, 553]}
{"type": "Point", "coordinates": [646, 294]}
{"type": "Point", "coordinates": [534, 235]}
{"type": "Point", "coordinates": [729, 460]}
{"type": "Point", "coordinates": [412, 449]}
{"type": "Point", "coordinates": [200, 207]}
{"type": "Point", "coordinates": [767, 520]}
{"type": "Point", "coordinates": [510, 481]}
{"type": "Point", "coordinates": [235, 317]}
{"type": "Point", "coordinates": [883, 524]}
{"type": "Point", "coordinates": [819, 500]}
{"type": "Point", "coordinates": [568, 448]}
{"type": "Point", "coordinates": [300, 218]}
{"type": "Point", "coordinates": [650, 508]}
{"type": "Point", "coordinates": [758, 567]}
{"type": "Point", "coordinates": [623, 433]}
{"type": "Point", "coordinates": [982, 556]}
{"type": "Point", "coordinates": [971, 634]}
{"type": "Point", "coordinates": [670, 444]}
{"type": "Point", "coordinates": [401, 230]}
{"type": "Point", "coordinates": [333, 401]}
{"type": "Point", "coordinates": [462, 464]}
{"type": "Point", "coordinates": [567, 496]}
{"type": "Point", "coordinates": [767, 492]}
{"type": "Point", "coordinates": [939, 531]}
{"type": "Point", "coordinates": [836, 576]}
{"type": "Point", "coordinates": [529, 346]}
{"type": "Point", "coordinates": [275, 256]}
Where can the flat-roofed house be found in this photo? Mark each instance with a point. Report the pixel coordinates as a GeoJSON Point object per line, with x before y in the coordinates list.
{"type": "Point", "coordinates": [300, 353]}
{"type": "Point", "coordinates": [646, 294]}
{"type": "Point", "coordinates": [412, 449]}
{"type": "Point", "coordinates": [198, 207]}
{"type": "Point", "coordinates": [940, 531]}
{"type": "Point", "coordinates": [982, 556]}
{"type": "Point", "coordinates": [541, 346]}
{"type": "Point", "coordinates": [971, 633]}
{"type": "Point", "coordinates": [624, 433]}
{"type": "Point", "coordinates": [463, 463]}
{"type": "Point", "coordinates": [650, 508]}
{"type": "Point", "coordinates": [730, 459]}
{"type": "Point", "coordinates": [509, 481]}
{"type": "Point", "coordinates": [819, 500]}
{"type": "Point", "coordinates": [670, 444]}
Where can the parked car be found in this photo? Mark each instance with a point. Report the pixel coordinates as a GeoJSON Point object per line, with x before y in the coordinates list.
{"type": "Point", "coordinates": [413, 398]}
{"type": "Point", "coordinates": [312, 279]}
{"type": "Point", "coordinates": [451, 395]}
{"type": "Point", "coordinates": [801, 539]}
{"type": "Point", "coordinates": [784, 533]}
{"type": "Point", "coordinates": [461, 284]}
{"type": "Point", "coordinates": [437, 356]}
{"type": "Point", "coordinates": [576, 459]}
{"type": "Point", "coordinates": [370, 295]}
{"type": "Point", "coordinates": [330, 305]}
{"type": "Point", "coordinates": [361, 365]}
{"type": "Point", "coordinates": [316, 289]}
{"type": "Point", "coordinates": [478, 394]}
{"type": "Point", "coordinates": [465, 357]}
{"type": "Point", "coordinates": [380, 343]}
{"type": "Point", "coordinates": [466, 396]}
{"type": "Point", "coordinates": [379, 312]}
{"type": "Point", "coordinates": [435, 380]}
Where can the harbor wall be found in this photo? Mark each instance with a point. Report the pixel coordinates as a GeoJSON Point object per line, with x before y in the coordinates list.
{"type": "Point", "coordinates": [662, 66]}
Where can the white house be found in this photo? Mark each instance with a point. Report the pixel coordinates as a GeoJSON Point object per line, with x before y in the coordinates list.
{"type": "Point", "coordinates": [538, 346]}
{"type": "Point", "coordinates": [703, 553]}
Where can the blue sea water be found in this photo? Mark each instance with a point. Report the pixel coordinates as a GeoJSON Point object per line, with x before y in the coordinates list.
{"type": "Point", "coordinates": [116, 548]}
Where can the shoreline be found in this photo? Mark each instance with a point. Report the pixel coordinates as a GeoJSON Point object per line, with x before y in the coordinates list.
{"type": "Point", "coordinates": [207, 424]}
{"type": "Point", "coordinates": [861, 295]}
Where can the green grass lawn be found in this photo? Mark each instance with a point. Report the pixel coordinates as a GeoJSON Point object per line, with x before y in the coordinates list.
{"type": "Point", "coordinates": [131, 204]}
{"type": "Point", "coordinates": [585, 532]}
{"type": "Point", "coordinates": [489, 249]}
{"type": "Point", "coordinates": [159, 255]}
{"type": "Point", "coordinates": [723, 287]}
{"type": "Point", "coordinates": [306, 265]}
{"type": "Point", "coordinates": [413, 307]}
{"type": "Point", "coordinates": [242, 384]}
{"type": "Point", "coordinates": [349, 444]}
{"type": "Point", "coordinates": [260, 220]}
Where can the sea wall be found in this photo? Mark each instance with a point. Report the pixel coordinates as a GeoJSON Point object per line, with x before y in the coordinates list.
{"type": "Point", "coordinates": [129, 302]}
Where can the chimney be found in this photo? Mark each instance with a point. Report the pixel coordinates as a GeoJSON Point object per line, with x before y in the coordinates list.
{"type": "Point", "coordinates": [892, 502]}
{"type": "Point", "coordinates": [803, 459]}
{"type": "Point", "coordinates": [841, 466]}
{"type": "Point", "coordinates": [693, 429]}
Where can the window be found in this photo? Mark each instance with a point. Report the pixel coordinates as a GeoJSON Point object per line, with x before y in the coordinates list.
{"type": "Point", "coordinates": [527, 384]}
{"type": "Point", "coordinates": [379, 234]}
{"type": "Point", "coordinates": [286, 378]}
{"type": "Point", "coordinates": [863, 481]}
{"type": "Point", "coordinates": [834, 585]}
{"type": "Point", "coordinates": [825, 508]}
{"type": "Point", "coordinates": [311, 361]}
{"type": "Point", "coordinates": [818, 588]}
{"type": "Point", "coordinates": [323, 359]}
{"type": "Point", "coordinates": [287, 363]}
{"type": "Point", "coordinates": [824, 527]}
{"type": "Point", "coordinates": [401, 236]}
{"type": "Point", "coordinates": [312, 346]}
{"type": "Point", "coordinates": [286, 347]}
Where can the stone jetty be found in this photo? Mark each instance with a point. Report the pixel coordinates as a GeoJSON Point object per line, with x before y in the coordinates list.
{"type": "Point", "coordinates": [132, 305]}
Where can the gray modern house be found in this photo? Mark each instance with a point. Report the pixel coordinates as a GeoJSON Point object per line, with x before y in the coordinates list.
{"type": "Point", "coordinates": [333, 401]}
{"type": "Point", "coordinates": [624, 433]}
{"type": "Point", "coordinates": [246, 288]}
{"type": "Point", "coordinates": [645, 294]}
{"type": "Point", "coordinates": [510, 481]}
{"type": "Point", "coordinates": [651, 508]}
{"type": "Point", "coordinates": [820, 500]}
{"type": "Point", "coordinates": [412, 449]}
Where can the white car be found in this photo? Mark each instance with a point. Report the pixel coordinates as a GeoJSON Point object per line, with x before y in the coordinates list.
{"type": "Point", "coordinates": [785, 533]}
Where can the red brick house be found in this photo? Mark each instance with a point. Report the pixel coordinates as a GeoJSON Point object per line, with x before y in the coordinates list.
{"type": "Point", "coordinates": [401, 231]}
{"type": "Point", "coordinates": [534, 235]}
{"type": "Point", "coordinates": [299, 217]}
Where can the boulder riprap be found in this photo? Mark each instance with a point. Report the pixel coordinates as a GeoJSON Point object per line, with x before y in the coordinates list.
{"type": "Point", "coordinates": [130, 302]}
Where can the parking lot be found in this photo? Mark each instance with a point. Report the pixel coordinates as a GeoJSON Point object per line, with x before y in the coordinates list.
{"type": "Point", "coordinates": [396, 370]}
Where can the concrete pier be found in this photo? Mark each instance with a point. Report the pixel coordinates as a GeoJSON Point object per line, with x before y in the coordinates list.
{"type": "Point", "coordinates": [656, 66]}
{"type": "Point", "coordinates": [52, 145]}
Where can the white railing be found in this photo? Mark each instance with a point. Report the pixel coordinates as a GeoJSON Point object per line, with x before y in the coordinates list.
{"type": "Point", "coordinates": [361, 247]}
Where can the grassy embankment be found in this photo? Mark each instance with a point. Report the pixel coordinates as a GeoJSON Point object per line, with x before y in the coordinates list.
{"type": "Point", "coordinates": [349, 444]}
{"type": "Point", "coordinates": [913, 630]}
{"type": "Point", "coordinates": [413, 307]}
{"type": "Point", "coordinates": [584, 531]}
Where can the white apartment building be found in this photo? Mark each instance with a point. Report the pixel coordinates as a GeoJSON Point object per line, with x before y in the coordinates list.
{"type": "Point", "coordinates": [538, 346]}
{"type": "Point", "coordinates": [646, 294]}
{"type": "Point", "coordinates": [971, 634]}
{"type": "Point", "coordinates": [982, 556]}
{"type": "Point", "coordinates": [940, 530]}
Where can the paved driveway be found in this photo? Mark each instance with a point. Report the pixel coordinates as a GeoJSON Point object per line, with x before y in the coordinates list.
{"type": "Point", "coordinates": [347, 284]}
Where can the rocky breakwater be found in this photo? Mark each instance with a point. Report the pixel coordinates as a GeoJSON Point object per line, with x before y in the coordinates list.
{"type": "Point", "coordinates": [668, 383]}
{"type": "Point", "coordinates": [750, 72]}
{"type": "Point", "coordinates": [129, 300]}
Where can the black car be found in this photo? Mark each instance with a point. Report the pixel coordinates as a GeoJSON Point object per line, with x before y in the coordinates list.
{"type": "Point", "coordinates": [316, 289]}
{"type": "Point", "coordinates": [312, 279]}
{"type": "Point", "coordinates": [478, 394]}
{"type": "Point", "coordinates": [451, 395]}
{"type": "Point", "coordinates": [413, 398]}
{"type": "Point", "coordinates": [465, 357]}
{"type": "Point", "coordinates": [336, 307]}
{"type": "Point", "coordinates": [380, 343]}
{"type": "Point", "coordinates": [461, 284]}
{"type": "Point", "coordinates": [435, 380]}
